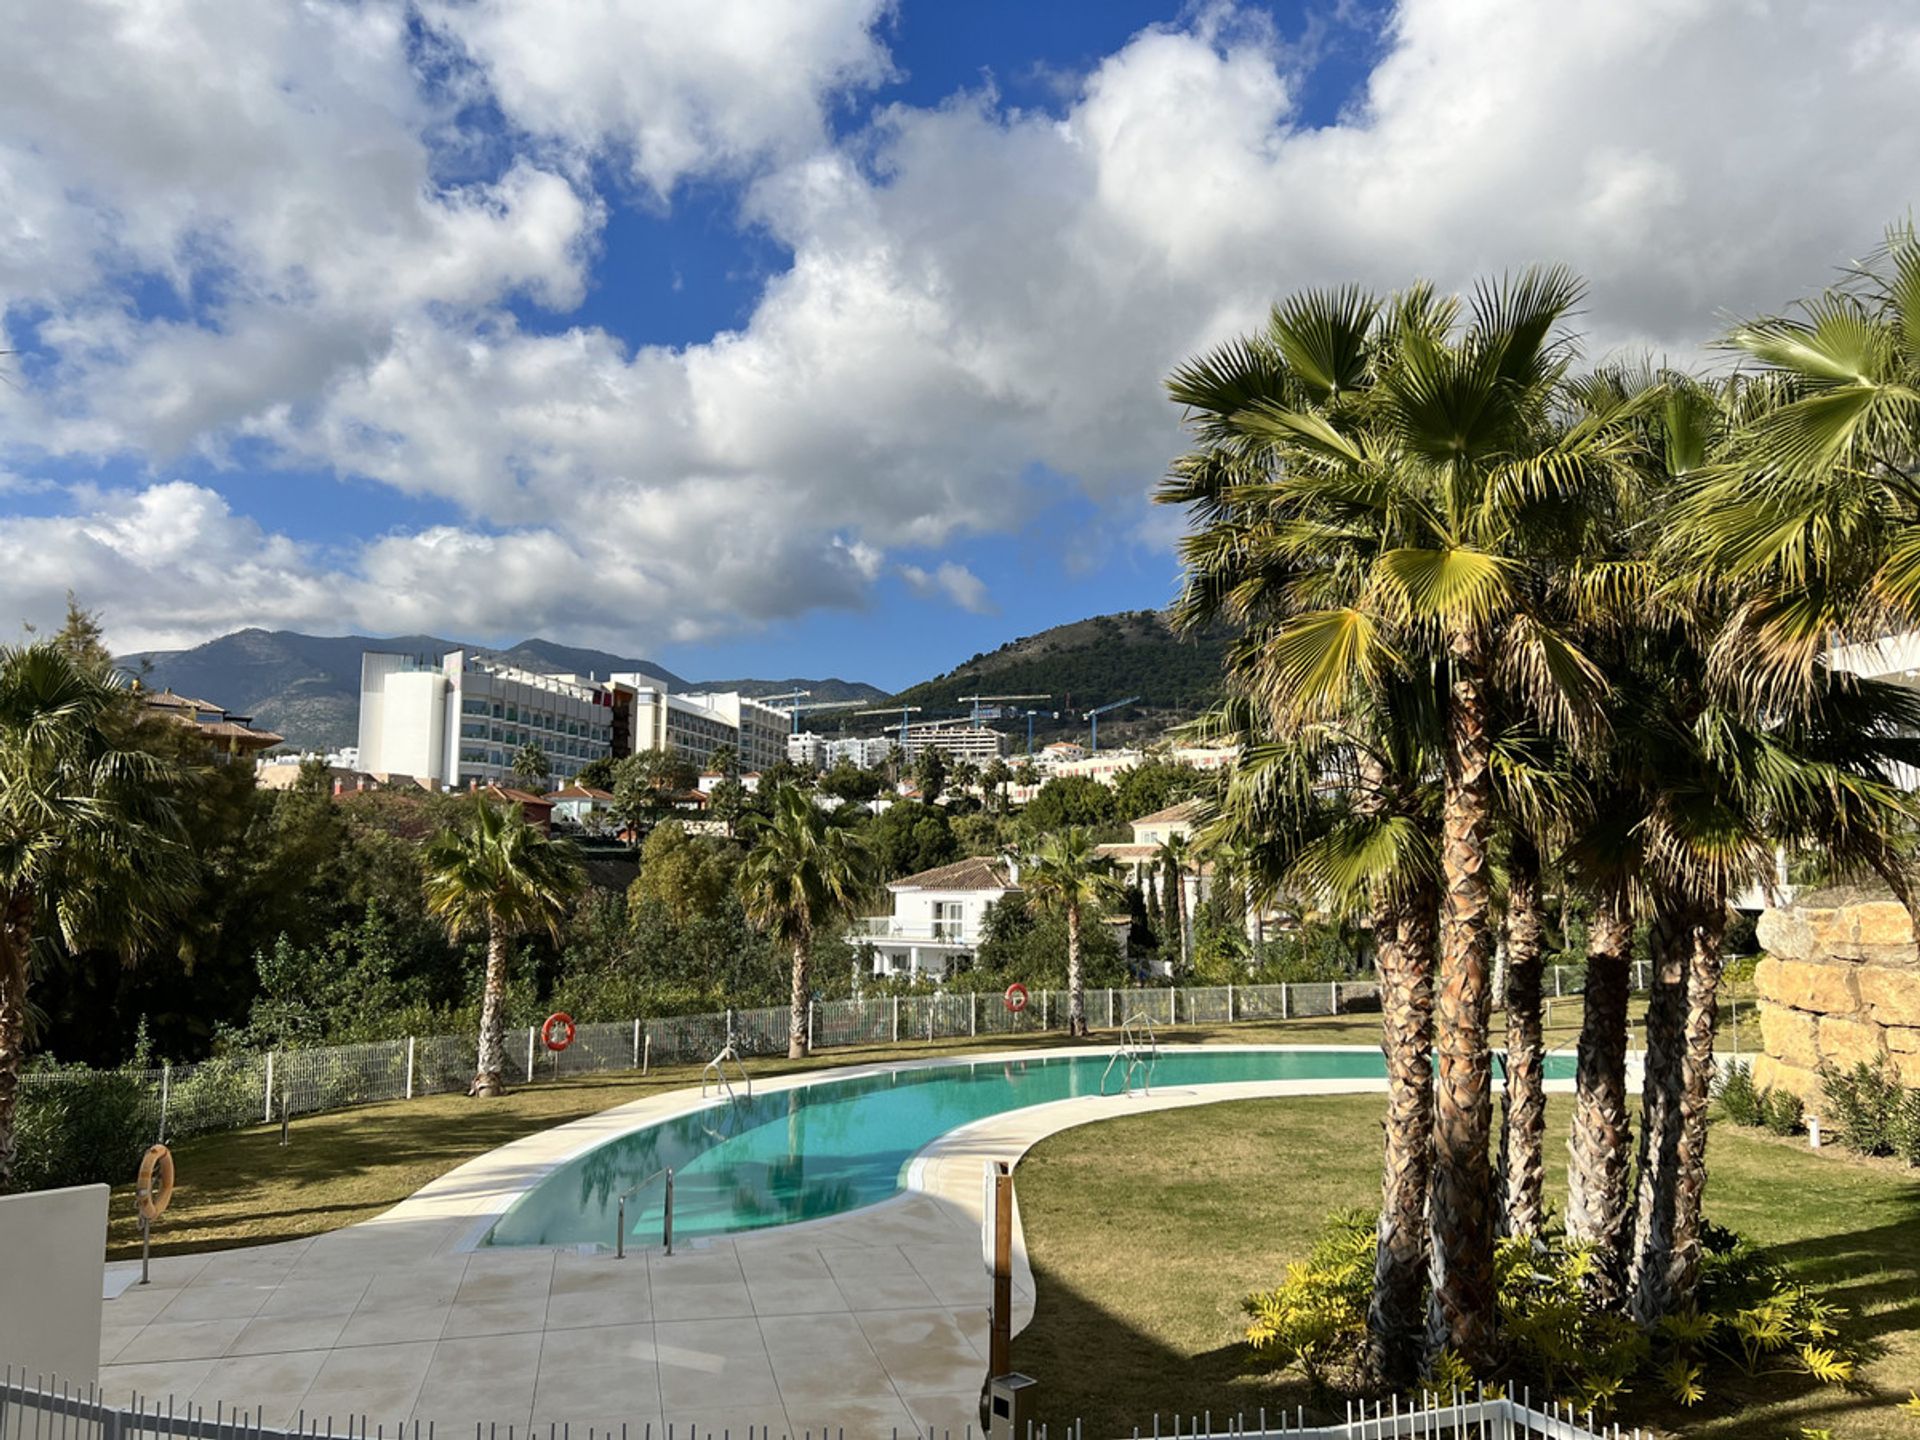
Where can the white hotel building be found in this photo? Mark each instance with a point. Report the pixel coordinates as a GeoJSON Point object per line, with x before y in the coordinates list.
{"type": "Point", "coordinates": [463, 717]}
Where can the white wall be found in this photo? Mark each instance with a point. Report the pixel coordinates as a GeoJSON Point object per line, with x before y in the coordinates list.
{"type": "Point", "coordinates": [52, 1247]}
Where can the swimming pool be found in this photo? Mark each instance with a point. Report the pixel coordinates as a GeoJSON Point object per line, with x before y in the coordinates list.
{"type": "Point", "coordinates": [824, 1148]}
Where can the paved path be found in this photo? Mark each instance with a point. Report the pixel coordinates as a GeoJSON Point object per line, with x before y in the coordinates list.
{"type": "Point", "coordinates": [874, 1321]}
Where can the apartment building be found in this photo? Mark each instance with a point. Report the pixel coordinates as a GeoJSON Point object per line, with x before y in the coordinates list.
{"type": "Point", "coordinates": [808, 749]}
{"type": "Point", "coordinates": [868, 752]}
{"type": "Point", "coordinates": [693, 725]}
{"type": "Point", "coordinates": [956, 739]}
{"type": "Point", "coordinates": [463, 717]}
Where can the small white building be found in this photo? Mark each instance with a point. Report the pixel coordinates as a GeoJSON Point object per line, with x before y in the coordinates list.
{"type": "Point", "coordinates": [583, 807]}
{"type": "Point", "coordinates": [806, 748]}
{"type": "Point", "coordinates": [938, 917]}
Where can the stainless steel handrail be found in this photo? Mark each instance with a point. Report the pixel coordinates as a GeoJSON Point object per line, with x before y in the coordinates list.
{"type": "Point", "coordinates": [715, 1073]}
{"type": "Point", "coordinates": [620, 1225]}
{"type": "Point", "coordinates": [1140, 1055]}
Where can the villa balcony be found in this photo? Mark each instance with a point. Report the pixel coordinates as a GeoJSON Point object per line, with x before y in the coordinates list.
{"type": "Point", "coordinates": [939, 932]}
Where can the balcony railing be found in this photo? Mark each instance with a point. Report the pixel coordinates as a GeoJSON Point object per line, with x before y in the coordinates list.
{"type": "Point", "coordinates": [887, 927]}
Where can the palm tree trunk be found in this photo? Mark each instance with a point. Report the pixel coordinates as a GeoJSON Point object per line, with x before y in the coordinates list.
{"type": "Point", "coordinates": [1177, 878]}
{"type": "Point", "coordinates": [1671, 944]}
{"type": "Point", "coordinates": [799, 998]}
{"type": "Point", "coordinates": [489, 1075]}
{"type": "Point", "coordinates": [16, 940]}
{"type": "Point", "coordinates": [1461, 1210]}
{"type": "Point", "coordinates": [1523, 1113]}
{"type": "Point", "coordinates": [1076, 998]}
{"type": "Point", "coordinates": [1598, 1150]}
{"type": "Point", "coordinates": [1404, 942]}
{"type": "Point", "coordinates": [1696, 1083]}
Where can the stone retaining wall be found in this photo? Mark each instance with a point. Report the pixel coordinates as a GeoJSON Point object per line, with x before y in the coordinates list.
{"type": "Point", "coordinates": [1840, 984]}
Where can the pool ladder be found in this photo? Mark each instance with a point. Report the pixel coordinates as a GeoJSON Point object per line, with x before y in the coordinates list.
{"type": "Point", "coordinates": [666, 1226]}
{"type": "Point", "coordinates": [715, 1075]}
{"type": "Point", "coordinates": [1136, 1054]}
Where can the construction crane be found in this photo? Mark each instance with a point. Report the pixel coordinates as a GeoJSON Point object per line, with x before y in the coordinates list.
{"type": "Point", "coordinates": [977, 699]}
{"type": "Point", "coordinates": [1094, 716]}
{"type": "Point", "coordinates": [904, 711]}
{"type": "Point", "coordinates": [795, 710]}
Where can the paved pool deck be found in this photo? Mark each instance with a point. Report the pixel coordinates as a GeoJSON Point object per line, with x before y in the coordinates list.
{"type": "Point", "coordinates": [872, 1323]}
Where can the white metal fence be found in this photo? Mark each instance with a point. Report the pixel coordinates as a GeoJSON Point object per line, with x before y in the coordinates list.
{"type": "Point", "coordinates": [32, 1408]}
{"type": "Point", "coordinates": [230, 1091]}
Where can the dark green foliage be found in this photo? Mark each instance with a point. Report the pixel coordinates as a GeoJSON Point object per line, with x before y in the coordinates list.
{"type": "Point", "coordinates": [1029, 945]}
{"type": "Point", "coordinates": [847, 781]}
{"type": "Point", "coordinates": [1068, 801]}
{"type": "Point", "coordinates": [1739, 1100]}
{"type": "Point", "coordinates": [910, 836]}
{"type": "Point", "coordinates": [1864, 1104]}
{"type": "Point", "coordinates": [1782, 1111]}
{"type": "Point", "coordinates": [79, 1131]}
{"type": "Point", "coordinates": [1154, 785]}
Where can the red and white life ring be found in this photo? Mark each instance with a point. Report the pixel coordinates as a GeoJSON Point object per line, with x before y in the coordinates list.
{"type": "Point", "coordinates": [557, 1033]}
{"type": "Point", "coordinates": [1016, 997]}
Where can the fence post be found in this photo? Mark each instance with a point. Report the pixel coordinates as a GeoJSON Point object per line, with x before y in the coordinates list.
{"type": "Point", "coordinates": [529, 1054]}
{"type": "Point", "coordinates": [1046, 1009]}
{"type": "Point", "coordinates": [1333, 991]}
{"type": "Point", "coordinates": [166, 1088]}
{"type": "Point", "coordinates": [267, 1108]}
{"type": "Point", "coordinates": [1173, 1007]}
{"type": "Point", "coordinates": [729, 1025]}
{"type": "Point", "coordinates": [896, 1019]}
{"type": "Point", "coordinates": [1556, 982]}
{"type": "Point", "coordinates": [636, 1042]}
{"type": "Point", "coordinates": [1284, 1013]}
{"type": "Point", "coordinates": [809, 1025]}
{"type": "Point", "coordinates": [1229, 1002]}
{"type": "Point", "coordinates": [973, 1015]}
{"type": "Point", "coordinates": [1109, 1007]}
{"type": "Point", "coordinates": [409, 1067]}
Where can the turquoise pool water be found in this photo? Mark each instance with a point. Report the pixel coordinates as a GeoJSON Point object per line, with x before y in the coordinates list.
{"type": "Point", "coordinates": [835, 1145]}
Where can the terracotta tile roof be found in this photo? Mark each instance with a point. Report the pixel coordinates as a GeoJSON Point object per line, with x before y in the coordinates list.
{"type": "Point", "coordinates": [1186, 810]}
{"type": "Point", "coordinates": [519, 797]}
{"type": "Point", "coordinates": [245, 734]}
{"type": "Point", "coordinates": [978, 872]}
{"type": "Point", "coordinates": [581, 792]}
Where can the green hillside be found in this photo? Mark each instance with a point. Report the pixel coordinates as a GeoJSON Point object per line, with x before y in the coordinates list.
{"type": "Point", "coordinates": [1089, 663]}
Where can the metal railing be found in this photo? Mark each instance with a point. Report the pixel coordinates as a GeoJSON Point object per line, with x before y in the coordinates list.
{"type": "Point", "coordinates": [1138, 1049]}
{"type": "Point", "coordinates": [177, 1102]}
{"type": "Point", "coordinates": [32, 1407]}
{"type": "Point", "coordinates": [666, 1217]}
{"type": "Point", "coordinates": [715, 1074]}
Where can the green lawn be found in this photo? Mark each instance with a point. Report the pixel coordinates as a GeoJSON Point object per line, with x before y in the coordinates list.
{"type": "Point", "coordinates": [1145, 1234]}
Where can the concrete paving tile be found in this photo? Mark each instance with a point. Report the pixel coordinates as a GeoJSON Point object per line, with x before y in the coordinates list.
{"type": "Point", "coordinates": [677, 1298]}
{"type": "Point", "coordinates": [268, 1334]}
{"type": "Point", "coordinates": [182, 1340]}
{"type": "Point", "coordinates": [369, 1367]}
{"type": "Point", "coordinates": [819, 1359]}
{"type": "Point", "coordinates": [867, 1417]}
{"type": "Point", "coordinates": [122, 1384]}
{"type": "Point", "coordinates": [221, 1300]}
{"type": "Point", "coordinates": [381, 1326]}
{"type": "Point", "coordinates": [925, 1352]}
{"type": "Point", "coordinates": [495, 1317]}
{"type": "Point", "coordinates": [114, 1338]}
{"type": "Point", "coordinates": [888, 1292]}
{"type": "Point", "coordinates": [808, 1295]}
{"type": "Point", "coordinates": [709, 1362]}
{"type": "Point", "coordinates": [270, 1386]}
{"type": "Point", "coordinates": [315, 1297]}
{"type": "Point", "coordinates": [950, 1417]}
{"type": "Point", "coordinates": [860, 1261]}
{"type": "Point", "coordinates": [576, 1356]}
{"type": "Point", "coordinates": [484, 1378]}
{"type": "Point", "coordinates": [408, 1286]}
{"type": "Point", "coordinates": [609, 1305]}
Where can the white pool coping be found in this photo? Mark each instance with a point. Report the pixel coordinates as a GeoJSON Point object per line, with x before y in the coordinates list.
{"type": "Point", "coordinates": [873, 1319]}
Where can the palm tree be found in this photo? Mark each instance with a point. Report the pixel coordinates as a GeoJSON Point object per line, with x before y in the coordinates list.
{"type": "Point", "coordinates": [807, 871]}
{"type": "Point", "coordinates": [499, 876]}
{"type": "Point", "coordinates": [995, 777]}
{"type": "Point", "coordinates": [1176, 859]}
{"type": "Point", "coordinates": [1070, 876]}
{"type": "Point", "coordinates": [92, 847]}
{"type": "Point", "coordinates": [1417, 489]}
{"type": "Point", "coordinates": [530, 764]}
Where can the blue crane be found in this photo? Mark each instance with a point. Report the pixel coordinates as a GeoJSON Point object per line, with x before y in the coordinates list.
{"type": "Point", "coordinates": [795, 709]}
{"type": "Point", "coordinates": [1094, 716]}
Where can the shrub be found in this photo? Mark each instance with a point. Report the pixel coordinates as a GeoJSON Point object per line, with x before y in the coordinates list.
{"type": "Point", "coordinates": [82, 1128]}
{"type": "Point", "coordinates": [1864, 1103]}
{"type": "Point", "coordinates": [1782, 1111]}
{"type": "Point", "coordinates": [1904, 1132]}
{"type": "Point", "coordinates": [1558, 1340]}
{"type": "Point", "coordinates": [1739, 1101]}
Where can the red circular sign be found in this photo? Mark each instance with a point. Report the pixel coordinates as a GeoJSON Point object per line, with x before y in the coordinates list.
{"type": "Point", "coordinates": [1016, 997]}
{"type": "Point", "coordinates": [557, 1033]}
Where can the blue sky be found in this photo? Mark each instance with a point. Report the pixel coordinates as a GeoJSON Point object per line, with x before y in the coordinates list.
{"type": "Point", "coordinates": [800, 337]}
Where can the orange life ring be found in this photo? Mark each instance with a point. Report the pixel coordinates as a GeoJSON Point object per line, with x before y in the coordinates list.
{"type": "Point", "coordinates": [562, 1023]}
{"type": "Point", "coordinates": [1016, 997]}
{"type": "Point", "coordinates": [153, 1202]}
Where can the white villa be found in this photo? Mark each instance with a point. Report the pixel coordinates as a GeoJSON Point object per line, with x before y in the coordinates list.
{"type": "Point", "coordinates": [938, 916]}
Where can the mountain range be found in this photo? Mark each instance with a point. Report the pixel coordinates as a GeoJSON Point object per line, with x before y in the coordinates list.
{"type": "Point", "coordinates": [307, 687]}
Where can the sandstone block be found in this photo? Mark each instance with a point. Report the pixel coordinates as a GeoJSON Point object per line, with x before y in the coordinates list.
{"type": "Point", "coordinates": [1772, 1074]}
{"type": "Point", "coordinates": [1846, 1043]}
{"type": "Point", "coordinates": [1875, 929]}
{"type": "Point", "coordinates": [1785, 933]}
{"type": "Point", "coordinates": [1907, 1067]}
{"type": "Point", "coordinates": [1892, 995]}
{"type": "Point", "coordinates": [1903, 1040]}
{"type": "Point", "coordinates": [1789, 1036]}
{"type": "Point", "coordinates": [1807, 985]}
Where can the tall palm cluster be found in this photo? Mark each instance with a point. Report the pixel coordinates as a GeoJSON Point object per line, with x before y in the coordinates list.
{"type": "Point", "coordinates": [1506, 626]}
